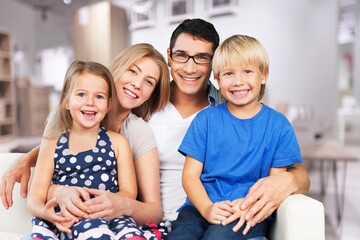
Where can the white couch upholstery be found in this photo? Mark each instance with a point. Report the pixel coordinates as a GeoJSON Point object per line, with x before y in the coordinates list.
{"type": "Point", "coordinates": [299, 217]}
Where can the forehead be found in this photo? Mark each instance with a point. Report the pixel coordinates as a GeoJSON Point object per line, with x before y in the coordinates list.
{"type": "Point", "coordinates": [90, 81]}
{"type": "Point", "coordinates": [192, 45]}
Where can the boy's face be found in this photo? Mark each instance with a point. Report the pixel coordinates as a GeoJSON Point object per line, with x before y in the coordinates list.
{"type": "Point", "coordinates": [190, 77]}
{"type": "Point", "coordinates": [241, 84]}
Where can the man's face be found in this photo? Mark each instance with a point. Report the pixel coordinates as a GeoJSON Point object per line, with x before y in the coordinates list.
{"type": "Point", "coordinates": [190, 77]}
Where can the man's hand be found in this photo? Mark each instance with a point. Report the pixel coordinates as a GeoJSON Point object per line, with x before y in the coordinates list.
{"type": "Point", "coordinates": [19, 172]}
{"type": "Point", "coordinates": [266, 195]}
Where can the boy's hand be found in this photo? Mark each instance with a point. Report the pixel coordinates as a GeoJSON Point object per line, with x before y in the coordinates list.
{"type": "Point", "coordinates": [218, 212]}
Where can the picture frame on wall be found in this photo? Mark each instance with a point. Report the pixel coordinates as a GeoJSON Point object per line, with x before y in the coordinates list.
{"type": "Point", "coordinates": [222, 7]}
{"type": "Point", "coordinates": [179, 10]}
{"type": "Point", "coordinates": [142, 14]}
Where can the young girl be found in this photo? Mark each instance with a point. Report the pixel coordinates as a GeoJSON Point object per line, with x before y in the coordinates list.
{"type": "Point", "coordinates": [85, 154]}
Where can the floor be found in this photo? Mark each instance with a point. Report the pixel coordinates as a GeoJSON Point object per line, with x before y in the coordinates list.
{"type": "Point", "coordinates": [349, 228]}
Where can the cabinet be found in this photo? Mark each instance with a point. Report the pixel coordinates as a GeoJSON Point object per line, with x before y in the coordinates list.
{"type": "Point", "coordinates": [33, 107]}
{"type": "Point", "coordinates": [7, 96]}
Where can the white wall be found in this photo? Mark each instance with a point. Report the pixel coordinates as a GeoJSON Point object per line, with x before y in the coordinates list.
{"type": "Point", "coordinates": [300, 36]}
{"type": "Point", "coordinates": [301, 39]}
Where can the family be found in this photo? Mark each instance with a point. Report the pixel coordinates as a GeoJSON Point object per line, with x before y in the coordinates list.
{"type": "Point", "coordinates": [191, 162]}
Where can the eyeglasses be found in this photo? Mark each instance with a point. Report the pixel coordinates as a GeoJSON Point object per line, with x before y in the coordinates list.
{"type": "Point", "coordinates": [183, 58]}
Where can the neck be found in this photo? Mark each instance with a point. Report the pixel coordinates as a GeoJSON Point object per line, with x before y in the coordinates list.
{"type": "Point", "coordinates": [188, 104]}
{"type": "Point", "coordinates": [122, 115]}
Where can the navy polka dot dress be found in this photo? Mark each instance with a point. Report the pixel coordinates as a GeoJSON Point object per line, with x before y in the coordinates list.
{"type": "Point", "coordinates": [94, 168]}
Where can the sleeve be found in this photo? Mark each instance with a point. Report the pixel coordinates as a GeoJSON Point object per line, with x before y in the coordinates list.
{"type": "Point", "coordinates": [287, 150]}
{"type": "Point", "coordinates": [139, 135]}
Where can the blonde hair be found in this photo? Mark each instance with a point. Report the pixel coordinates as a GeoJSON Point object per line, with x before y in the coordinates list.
{"type": "Point", "coordinates": [241, 49]}
{"type": "Point", "coordinates": [60, 118]}
{"type": "Point", "coordinates": [161, 95]}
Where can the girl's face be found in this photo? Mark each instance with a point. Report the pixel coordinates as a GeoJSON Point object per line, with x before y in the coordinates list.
{"type": "Point", "coordinates": [240, 85]}
{"type": "Point", "coordinates": [88, 101]}
{"type": "Point", "coordinates": [137, 83]}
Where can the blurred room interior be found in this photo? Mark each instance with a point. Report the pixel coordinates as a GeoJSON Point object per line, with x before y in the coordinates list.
{"type": "Point", "coordinates": [314, 76]}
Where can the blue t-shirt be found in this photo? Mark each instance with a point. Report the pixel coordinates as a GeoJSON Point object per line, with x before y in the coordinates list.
{"type": "Point", "coordinates": [237, 152]}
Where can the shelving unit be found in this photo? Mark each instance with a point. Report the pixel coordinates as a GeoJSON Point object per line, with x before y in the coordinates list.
{"type": "Point", "coordinates": [7, 104]}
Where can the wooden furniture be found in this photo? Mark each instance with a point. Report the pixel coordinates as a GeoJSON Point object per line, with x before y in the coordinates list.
{"type": "Point", "coordinates": [330, 153]}
{"type": "Point", "coordinates": [7, 96]}
{"type": "Point", "coordinates": [100, 32]}
{"type": "Point", "coordinates": [33, 107]}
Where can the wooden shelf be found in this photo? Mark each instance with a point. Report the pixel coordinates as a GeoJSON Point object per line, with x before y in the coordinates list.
{"type": "Point", "coordinates": [7, 84]}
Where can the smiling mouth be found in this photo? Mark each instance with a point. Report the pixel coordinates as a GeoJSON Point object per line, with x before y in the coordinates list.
{"type": "Point", "coordinates": [240, 92]}
{"type": "Point", "coordinates": [130, 94]}
{"type": "Point", "coordinates": [88, 113]}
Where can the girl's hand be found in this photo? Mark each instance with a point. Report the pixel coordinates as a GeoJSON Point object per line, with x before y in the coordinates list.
{"type": "Point", "coordinates": [61, 222]}
{"type": "Point", "coordinates": [218, 212]}
{"type": "Point", "coordinates": [106, 205]}
{"type": "Point", "coordinates": [238, 214]}
{"type": "Point", "coordinates": [71, 201]}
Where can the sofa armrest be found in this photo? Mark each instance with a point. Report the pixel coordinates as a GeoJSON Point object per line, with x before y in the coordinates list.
{"type": "Point", "coordinates": [16, 220]}
{"type": "Point", "coordinates": [299, 217]}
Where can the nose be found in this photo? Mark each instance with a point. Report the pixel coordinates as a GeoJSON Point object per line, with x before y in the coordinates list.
{"type": "Point", "coordinates": [190, 66]}
{"type": "Point", "coordinates": [237, 80]}
{"type": "Point", "coordinates": [136, 83]}
{"type": "Point", "coordinates": [89, 101]}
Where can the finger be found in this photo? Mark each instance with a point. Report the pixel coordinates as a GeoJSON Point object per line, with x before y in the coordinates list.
{"type": "Point", "coordinates": [229, 219]}
{"type": "Point", "coordinates": [24, 183]}
{"type": "Point", "coordinates": [255, 192]}
{"type": "Point", "coordinates": [262, 215]}
{"type": "Point", "coordinates": [93, 191]}
{"type": "Point", "coordinates": [255, 208]}
{"type": "Point", "coordinates": [3, 194]}
{"type": "Point", "coordinates": [9, 187]}
{"type": "Point", "coordinates": [247, 228]}
{"type": "Point", "coordinates": [239, 224]}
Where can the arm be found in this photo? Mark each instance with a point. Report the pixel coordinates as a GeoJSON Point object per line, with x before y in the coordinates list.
{"type": "Point", "coordinates": [268, 193]}
{"type": "Point", "coordinates": [37, 199]}
{"type": "Point", "coordinates": [18, 172]}
{"type": "Point", "coordinates": [145, 210]}
{"type": "Point", "coordinates": [214, 213]}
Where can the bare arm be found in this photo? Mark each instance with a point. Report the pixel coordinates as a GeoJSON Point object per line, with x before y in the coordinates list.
{"type": "Point", "coordinates": [214, 213]}
{"type": "Point", "coordinates": [18, 172]}
{"type": "Point", "coordinates": [268, 193]}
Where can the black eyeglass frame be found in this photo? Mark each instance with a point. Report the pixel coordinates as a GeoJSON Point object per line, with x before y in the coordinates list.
{"type": "Point", "coordinates": [193, 57]}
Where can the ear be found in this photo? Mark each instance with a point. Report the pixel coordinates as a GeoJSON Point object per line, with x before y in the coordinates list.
{"type": "Point", "coordinates": [168, 57]}
{"type": "Point", "coordinates": [264, 77]}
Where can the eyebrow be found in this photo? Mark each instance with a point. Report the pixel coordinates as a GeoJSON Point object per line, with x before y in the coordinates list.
{"type": "Point", "coordinates": [141, 71]}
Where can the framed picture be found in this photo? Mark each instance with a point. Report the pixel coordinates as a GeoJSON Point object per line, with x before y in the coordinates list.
{"type": "Point", "coordinates": [142, 14]}
{"type": "Point", "coordinates": [221, 7]}
{"type": "Point", "coordinates": [179, 10]}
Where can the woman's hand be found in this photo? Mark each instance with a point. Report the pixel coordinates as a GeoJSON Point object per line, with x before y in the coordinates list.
{"type": "Point", "coordinates": [71, 201]}
{"type": "Point", "coordinates": [106, 204]}
{"type": "Point", "coordinates": [19, 172]}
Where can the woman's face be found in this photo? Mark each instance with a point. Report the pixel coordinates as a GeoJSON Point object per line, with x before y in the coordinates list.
{"type": "Point", "coordinates": [137, 83]}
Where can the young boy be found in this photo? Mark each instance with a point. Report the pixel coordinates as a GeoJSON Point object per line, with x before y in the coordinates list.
{"type": "Point", "coordinates": [231, 146]}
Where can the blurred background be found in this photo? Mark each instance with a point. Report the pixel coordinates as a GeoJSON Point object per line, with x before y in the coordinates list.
{"type": "Point", "coordinates": [313, 48]}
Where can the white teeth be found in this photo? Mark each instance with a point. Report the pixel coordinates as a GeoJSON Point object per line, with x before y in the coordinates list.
{"type": "Point", "coordinates": [189, 79]}
{"type": "Point", "coordinates": [89, 112]}
{"type": "Point", "coordinates": [130, 93]}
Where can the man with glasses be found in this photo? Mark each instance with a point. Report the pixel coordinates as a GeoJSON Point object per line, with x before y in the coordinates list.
{"type": "Point", "coordinates": [192, 46]}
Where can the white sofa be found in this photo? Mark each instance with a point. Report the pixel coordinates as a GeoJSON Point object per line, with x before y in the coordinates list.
{"type": "Point", "coordinates": [299, 217]}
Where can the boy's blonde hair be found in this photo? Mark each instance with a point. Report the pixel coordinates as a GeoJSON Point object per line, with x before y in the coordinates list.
{"type": "Point", "coordinates": [161, 95]}
{"type": "Point", "coordinates": [242, 50]}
